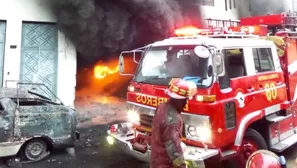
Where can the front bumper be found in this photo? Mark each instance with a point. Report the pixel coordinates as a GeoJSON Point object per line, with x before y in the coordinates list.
{"type": "Point", "coordinates": [195, 154]}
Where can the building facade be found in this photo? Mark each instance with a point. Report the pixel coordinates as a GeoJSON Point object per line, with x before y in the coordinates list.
{"type": "Point", "coordinates": [235, 9]}
{"type": "Point", "coordinates": [32, 49]}
{"type": "Point", "coordinates": [220, 9]}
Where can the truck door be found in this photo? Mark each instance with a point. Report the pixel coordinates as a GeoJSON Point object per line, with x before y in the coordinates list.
{"type": "Point", "coordinates": [237, 86]}
{"type": "Point", "coordinates": [6, 119]}
{"type": "Point", "coordinates": [269, 82]}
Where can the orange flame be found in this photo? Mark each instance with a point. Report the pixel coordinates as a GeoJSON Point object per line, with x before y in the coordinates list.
{"type": "Point", "coordinates": [101, 72]}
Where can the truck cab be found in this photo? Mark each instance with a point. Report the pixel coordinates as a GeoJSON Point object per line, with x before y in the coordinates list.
{"type": "Point", "coordinates": [242, 102]}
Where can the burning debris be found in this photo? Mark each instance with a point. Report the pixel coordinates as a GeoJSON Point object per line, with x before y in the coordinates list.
{"type": "Point", "coordinates": [98, 101]}
{"type": "Point", "coordinates": [101, 71]}
{"type": "Point", "coordinates": [105, 27]}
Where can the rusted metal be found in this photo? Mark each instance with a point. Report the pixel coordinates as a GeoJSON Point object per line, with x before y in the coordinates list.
{"type": "Point", "coordinates": [25, 115]}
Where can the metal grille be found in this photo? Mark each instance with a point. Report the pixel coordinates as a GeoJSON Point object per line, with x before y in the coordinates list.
{"type": "Point", "coordinates": [146, 120]}
{"type": "Point", "coordinates": [39, 56]}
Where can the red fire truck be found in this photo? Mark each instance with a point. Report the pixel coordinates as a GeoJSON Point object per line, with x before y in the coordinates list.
{"type": "Point", "coordinates": [246, 90]}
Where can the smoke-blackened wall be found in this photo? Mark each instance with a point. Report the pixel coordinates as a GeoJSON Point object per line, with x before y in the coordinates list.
{"type": "Point", "coordinates": [105, 27]}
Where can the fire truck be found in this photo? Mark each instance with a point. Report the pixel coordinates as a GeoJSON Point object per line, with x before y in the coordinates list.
{"type": "Point", "coordinates": [246, 76]}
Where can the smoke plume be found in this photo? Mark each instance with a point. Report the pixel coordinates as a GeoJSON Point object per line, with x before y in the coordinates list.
{"type": "Point", "coordinates": [105, 27]}
{"type": "Point", "coordinates": [264, 7]}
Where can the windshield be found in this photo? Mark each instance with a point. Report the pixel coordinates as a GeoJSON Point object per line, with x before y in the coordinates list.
{"type": "Point", "coordinates": [160, 64]}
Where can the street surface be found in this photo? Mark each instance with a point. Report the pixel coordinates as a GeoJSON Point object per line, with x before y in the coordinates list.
{"type": "Point", "coordinates": [92, 151]}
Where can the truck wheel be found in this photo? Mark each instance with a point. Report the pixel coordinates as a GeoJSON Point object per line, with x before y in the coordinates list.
{"type": "Point", "coordinates": [252, 141]}
{"type": "Point", "coordinates": [35, 150]}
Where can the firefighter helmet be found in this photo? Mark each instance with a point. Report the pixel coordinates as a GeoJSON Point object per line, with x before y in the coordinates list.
{"type": "Point", "coordinates": [181, 89]}
{"type": "Point", "coordinates": [265, 159]}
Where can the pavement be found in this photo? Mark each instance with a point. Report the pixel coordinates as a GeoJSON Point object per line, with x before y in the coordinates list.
{"type": "Point", "coordinates": [92, 150]}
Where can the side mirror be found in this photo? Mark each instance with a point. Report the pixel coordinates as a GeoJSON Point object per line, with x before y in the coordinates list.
{"type": "Point", "coordinates": [128, 61]}
{"type": "Point", "coordinates": [122, 69]}
{"type": "Point", "coordinates": [218, 64]}
{"type": "Point", "coordinates": [137, 56]}
{"type": "Point", "coordinates": [202, 52]}
{"type": "Point", "coordinates": [121, 64]}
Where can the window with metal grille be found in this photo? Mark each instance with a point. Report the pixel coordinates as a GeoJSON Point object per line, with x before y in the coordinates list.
{"type": "Point", "coordinates": [230, 4]}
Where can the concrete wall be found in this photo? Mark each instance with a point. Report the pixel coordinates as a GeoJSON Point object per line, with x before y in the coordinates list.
{"type": "Point", "coordinates": [218, 11]}
{"type": "Point", "coordinates": [16, 11]}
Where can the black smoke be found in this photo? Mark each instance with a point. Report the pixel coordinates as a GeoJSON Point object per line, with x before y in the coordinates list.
{"type": "Point", "coordinates": [101, 28]}
{"type": "Point", "coordinates": [265, 7]}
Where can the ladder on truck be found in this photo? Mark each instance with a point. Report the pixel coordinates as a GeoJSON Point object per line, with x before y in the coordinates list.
{"type": "Point", "coordinates": [221, 23]}
{"type": "Point", "coordinates": [289, 20]}
{"type": "Point", "coordinates": [288, 24]}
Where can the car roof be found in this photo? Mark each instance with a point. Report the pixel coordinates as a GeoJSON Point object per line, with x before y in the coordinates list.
{"type": "Point", "coordinates": [16, 93]}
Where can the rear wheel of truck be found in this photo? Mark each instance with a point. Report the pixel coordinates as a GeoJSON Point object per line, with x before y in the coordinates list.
{"type": "Point", "coordinates": [252, 141]}
{"type": "Point", "coordinates": [35, 149]}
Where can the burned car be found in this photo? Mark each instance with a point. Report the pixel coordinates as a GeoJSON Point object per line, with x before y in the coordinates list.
{"type": "Point", "coordinates": [32, 125]}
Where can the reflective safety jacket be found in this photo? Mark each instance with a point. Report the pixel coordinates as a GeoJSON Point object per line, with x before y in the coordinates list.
{"type": "Point", "coordinates": [166, 138]}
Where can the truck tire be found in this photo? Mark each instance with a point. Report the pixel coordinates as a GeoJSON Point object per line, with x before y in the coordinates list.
{"type": "Point", "coordinates": [252, 141]}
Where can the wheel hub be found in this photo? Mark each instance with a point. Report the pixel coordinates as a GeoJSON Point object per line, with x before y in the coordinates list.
{"type": "Point", "coordinates": [36, 149]}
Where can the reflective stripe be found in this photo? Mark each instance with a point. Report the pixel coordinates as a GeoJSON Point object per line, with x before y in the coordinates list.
{"type": "Point", "coordinates": [272, 109]}
{"type": "Point", "coordinates": [171, 149]}
{"type": "Point", "coordinates": [179, 161]}
{"type": "Point", "coordinates": [243, 125]}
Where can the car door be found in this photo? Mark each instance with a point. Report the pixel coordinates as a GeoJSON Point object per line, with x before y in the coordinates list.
{"type": "Point", "coordinates": [7, 107]}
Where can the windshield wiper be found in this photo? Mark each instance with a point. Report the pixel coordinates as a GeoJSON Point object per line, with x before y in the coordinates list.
{"type": "Point", "coordinates": [39, 95]}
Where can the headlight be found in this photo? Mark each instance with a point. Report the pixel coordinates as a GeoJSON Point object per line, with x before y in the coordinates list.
{"type": "Point", "coordinates": [110, 140]}
{"type": "Point", "coordinates": [200, 133]}
{"type": "Point", "coordinates": [197, 127]}
{"type": "Point", "coordinates": [133, 116]}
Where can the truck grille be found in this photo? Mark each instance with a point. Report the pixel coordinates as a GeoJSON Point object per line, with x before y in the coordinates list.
{"type": "Point", "coordinates": [147, 121]}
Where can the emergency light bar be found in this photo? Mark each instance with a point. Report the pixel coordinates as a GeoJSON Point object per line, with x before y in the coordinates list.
{"type": "Point", "coordinates": [187, 31]}
{"type": "Point", "coordinates": [245, 31]}
{"type": "Point", "coordinates": [217, 32]}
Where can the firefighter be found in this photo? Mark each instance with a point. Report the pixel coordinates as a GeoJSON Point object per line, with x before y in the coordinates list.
{"type": "Point", "coordinates": [265, 159]}
{"type": "Point", "coordinates": [167, 124]}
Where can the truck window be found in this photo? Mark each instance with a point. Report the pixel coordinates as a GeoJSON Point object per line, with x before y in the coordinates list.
{"type": "Point", "coordinates": [234, 64]}
{"type": "Point", "coordinates": [263, 59]}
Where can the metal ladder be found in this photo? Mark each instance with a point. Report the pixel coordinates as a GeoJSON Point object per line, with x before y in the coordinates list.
{"type": "Point", "coordinates": [220, 23]}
